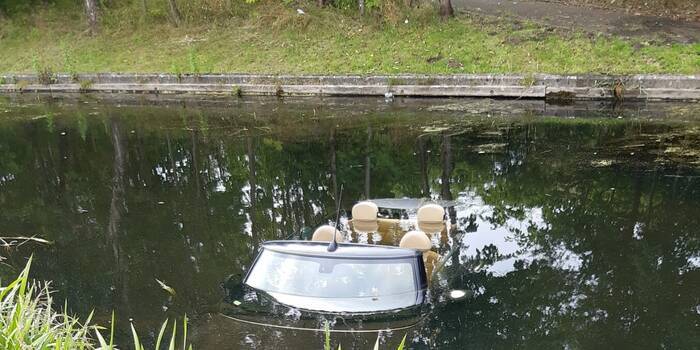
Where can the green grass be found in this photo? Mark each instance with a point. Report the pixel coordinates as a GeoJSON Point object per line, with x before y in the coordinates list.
{"type": "Point", "coordinates": [28, 320]}
{"type": "Point", "coordinates": [270, 37]}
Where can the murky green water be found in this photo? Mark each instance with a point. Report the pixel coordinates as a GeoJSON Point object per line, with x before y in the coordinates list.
{"type": "Point", "coordinates": [570, 233]}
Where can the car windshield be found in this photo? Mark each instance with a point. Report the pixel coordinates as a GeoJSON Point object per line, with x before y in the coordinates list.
{"type": "Point", "coordinates": [319, 277]}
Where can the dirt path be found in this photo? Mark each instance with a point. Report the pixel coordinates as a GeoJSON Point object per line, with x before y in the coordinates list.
{"type": "Point", "coordinates": [589, 19]}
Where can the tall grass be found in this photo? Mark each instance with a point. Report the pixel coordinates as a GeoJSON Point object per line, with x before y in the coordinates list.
{"type": "Point", "coordinates": [28, 320]}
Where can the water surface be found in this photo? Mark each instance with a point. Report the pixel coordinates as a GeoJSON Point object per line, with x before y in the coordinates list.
{"type": "Point", "coordinates": [569, 232]}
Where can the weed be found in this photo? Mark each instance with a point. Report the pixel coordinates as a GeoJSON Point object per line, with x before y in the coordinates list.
{"type": "Point", "coordinates": [69, 63]}
{"type": "Point", "coordinates": [45, 76]}
{"type": "Point", "coordinates": [21, 85]}
{"type": "Point", "coordinates": [618, 90]}
{"type": "Point", "coordinates": [177, 71]}
{"type": "Point", "coordinates": [236, 91]}
{"type": "Point", "coordinates": [279, 92]}
{"type": "Point", "coordinates": [393, 81]}
{"type": "Point", "coordinates": [193, 60]}
{"type": "Point", "coordinates": [35, 62]}
{"type": "Point", "coordinates": [528, 80]}
{"type": "Point", "coordinates": [85, 85]}
{"type": "Point", "coordinates": [43, 73]}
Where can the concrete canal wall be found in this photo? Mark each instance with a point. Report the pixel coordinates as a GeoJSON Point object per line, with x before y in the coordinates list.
{"type": "Point", "coordinates": [536, 86]}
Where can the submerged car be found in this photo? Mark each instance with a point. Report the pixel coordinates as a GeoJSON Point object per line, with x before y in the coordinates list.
{"type": "Point", "coordinates": [301, 285]}
{"type": "Point", "coordinates": [304, 285]}
{"type": "Point", "coordinates": [355, 278]}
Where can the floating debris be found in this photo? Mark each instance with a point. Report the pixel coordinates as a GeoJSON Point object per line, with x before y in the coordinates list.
{"type": "Point", "coordinates": [490, 148]}
{"type": "Point", "coordinates": [435, 128]}
{"type": "Point", "coordinates": [602, 163]}
{"type": "Point", "coordinates": [166, 287]}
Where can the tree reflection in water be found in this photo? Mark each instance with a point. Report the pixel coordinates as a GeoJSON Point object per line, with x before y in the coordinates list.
{"type": "Point", "coordinates": [554, 251]}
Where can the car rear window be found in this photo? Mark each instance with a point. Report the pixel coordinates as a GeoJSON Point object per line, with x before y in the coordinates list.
{"type": "Point", "coordinates": [320, 277]}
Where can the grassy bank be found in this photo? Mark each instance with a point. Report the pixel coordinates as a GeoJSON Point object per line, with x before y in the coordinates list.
{"type": "Point", "coordinates": [271, 37]}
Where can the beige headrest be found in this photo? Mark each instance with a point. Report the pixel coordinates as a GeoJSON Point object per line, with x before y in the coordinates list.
{"type": "Point", "coordinates": [431, 213]}
{"type": "Point", "coordinates": [325, 233]}
{"type": "Point", "coordinates": [431, 227]}
{"type": "Point", "coordinates": [364, 211]}
{"type": "Point", "coordinates": [416, 240]}
{"type": "Point", "coordinates": [365, 226]}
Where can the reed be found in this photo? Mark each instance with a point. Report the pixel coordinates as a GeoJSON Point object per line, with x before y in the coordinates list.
{"type": "Point", "coordinates": [28, 320]}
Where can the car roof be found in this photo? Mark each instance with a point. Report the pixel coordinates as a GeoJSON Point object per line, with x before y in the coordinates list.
{"type": "Point", "coordinates": [344, 251]}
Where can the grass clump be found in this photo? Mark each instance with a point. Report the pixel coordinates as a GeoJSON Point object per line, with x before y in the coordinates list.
{"type": "Point", "coordinates": [28, 320]}
{"type": "Point", "coordinates": [21, 85]}
{"type": "Point", "coordinates": [45, 76]}
{"type": "Point", "coordinates": [85, 85]}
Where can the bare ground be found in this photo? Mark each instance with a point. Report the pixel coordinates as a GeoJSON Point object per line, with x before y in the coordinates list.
{"type": "Point", "coordinates": [618, 22]}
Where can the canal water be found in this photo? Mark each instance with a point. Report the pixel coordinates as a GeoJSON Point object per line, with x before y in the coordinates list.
{"type": "Point", "coordinates": [572, 227]}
